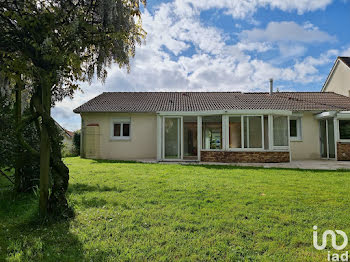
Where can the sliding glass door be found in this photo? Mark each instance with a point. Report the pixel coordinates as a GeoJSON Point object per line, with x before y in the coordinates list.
{"type": "Point", "coordinates": [327, 138]}
{"type": "Point", "coordinates": [172, 145]}
{"type": "Point", "coordinates": [190, 142]}
{"type": "Point", "coordinates": [331, 142]}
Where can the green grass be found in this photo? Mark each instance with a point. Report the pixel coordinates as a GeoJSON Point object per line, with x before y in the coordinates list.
{"type": "Point", "coordinates": [133, 212]}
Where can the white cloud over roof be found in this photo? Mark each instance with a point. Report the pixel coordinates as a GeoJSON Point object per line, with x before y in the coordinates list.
{"type": "Point", "coordinates": [183, 54]}
{"type": "Point", "coordinates": [244, 8]}
{"type": "Point", "coordinates": [287, 31]}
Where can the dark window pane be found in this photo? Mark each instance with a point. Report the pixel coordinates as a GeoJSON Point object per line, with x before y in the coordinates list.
{"type": "Point", "coordinates": [344, 129]}
{"type": "Point", "coordinates": [126, 129]}
{"type": "Point", "coordinates": [293, 128]}
{"type": "Point", "coordinates": [116, 131]}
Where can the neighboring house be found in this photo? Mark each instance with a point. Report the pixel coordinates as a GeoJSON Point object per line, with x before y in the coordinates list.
{"type": "Point", "coordinates": [216, 126]}
{"type": "Point", "coordinates": [338, 80]}
{"type": "Point", "coordinates": [67, 138]}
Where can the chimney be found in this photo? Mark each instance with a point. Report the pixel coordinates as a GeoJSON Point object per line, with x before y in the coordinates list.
{"type": "Point", "coordinates": [271, 86]}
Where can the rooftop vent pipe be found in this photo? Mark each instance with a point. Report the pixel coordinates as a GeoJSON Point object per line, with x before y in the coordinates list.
{"type": "Point", "coordinates": [271, 86]}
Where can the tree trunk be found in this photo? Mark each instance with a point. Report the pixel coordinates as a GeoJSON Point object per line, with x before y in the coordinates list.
{"type": "Point", "coordinates": [58, 205]}
{"type": "Point", "coordinates": [44, 148]}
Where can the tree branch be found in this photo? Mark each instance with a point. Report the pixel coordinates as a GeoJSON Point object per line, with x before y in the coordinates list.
{"type": "Point", "coordinates": [9, 179]}
{"type": "Point", "coordinates": [24, 122]}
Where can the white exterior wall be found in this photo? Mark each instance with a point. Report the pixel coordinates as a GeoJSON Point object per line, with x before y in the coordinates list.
{"type": "Point", "coordinates": [143, 141]}
{"type": "Point", "coordinates": [309, 146]}
{"type": "Point", "coordinates": [339, 80]}
{"type": "Point", "coordinates": [143, 133]}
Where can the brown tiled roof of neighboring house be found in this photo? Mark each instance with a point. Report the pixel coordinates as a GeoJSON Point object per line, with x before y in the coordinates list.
{"type": "Point", "coordinates": [65, 131]}
{"type": "Point", "coordinates": [70, 133]}
{"type": "Point", "coordinates": [207, 101]}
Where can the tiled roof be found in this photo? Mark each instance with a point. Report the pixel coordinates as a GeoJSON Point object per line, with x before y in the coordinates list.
{"type": "Point", "coordinates": [69, 133]}
{"type": "Point", "coordinates": [64, 131]}
{"type": "Point", "coordinates": [345, 59]}
{"type": "Point", "coordinates": [204, 101]}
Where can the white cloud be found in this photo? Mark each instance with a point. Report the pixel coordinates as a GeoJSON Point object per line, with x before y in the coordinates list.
{"type": "Point", "coordinates": [183, 54]}
{"type": "Point", "coordinates": [292, 51]}
{"type": "Point", "coordinates": [345, 52]}
{"type": "Point", "coordinates": [254, 46]}
{"type": "Point", "coordinates": [287, 31]}
{"type": "Point", "coordinates": [243, 8]}
{"type": "Point", "coordinates": [306, 71]}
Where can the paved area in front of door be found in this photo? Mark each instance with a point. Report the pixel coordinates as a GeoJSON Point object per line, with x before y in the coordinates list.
{"type": "Point", "coordinates": [300, 164]}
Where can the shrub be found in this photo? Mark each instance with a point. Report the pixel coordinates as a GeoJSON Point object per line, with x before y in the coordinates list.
{"type": "Point", "coordinates": [76, 142]}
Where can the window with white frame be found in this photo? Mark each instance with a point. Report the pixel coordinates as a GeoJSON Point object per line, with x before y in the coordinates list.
{"type": "Point", "coordinates": [120, 128]}
{"type": "Point", "coordinates": [212, 132]}
{"type": "Point", "coordinates": [252, 130]}
{"type": "Point", "coordinates": [295, 129]}
{"type": "Point", "coordinates": [245, 132]}
{"type": "Point", "coordinates": [235, 132]}
{"type": "Point", "coordinates": [344, 129]}
{"type": "Point", "coordinates": [280, 131]}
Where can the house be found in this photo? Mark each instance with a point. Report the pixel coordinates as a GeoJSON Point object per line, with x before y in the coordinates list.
{"type": "Point", "coordinates": [216, 126]}
{"type": "Point", "coordinates": [67, 139]}
{"type": "Point", "coordinates": [338, 80]}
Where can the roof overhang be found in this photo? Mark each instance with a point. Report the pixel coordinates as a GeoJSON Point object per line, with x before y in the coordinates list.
{"type": "Point", "coordinates": [343, 115]}
{"type": "Point", "coordinates": [331, 114]}
{"type": "Point", "coordinates": [327, 114]}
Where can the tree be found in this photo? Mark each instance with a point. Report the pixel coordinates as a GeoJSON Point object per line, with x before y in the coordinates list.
{"type": "Point", "coordinates": [49, 45]}
{"type": "Point", "coordinates": [76, 142]}
{"type": "Point", "coordinates": [12, 153]}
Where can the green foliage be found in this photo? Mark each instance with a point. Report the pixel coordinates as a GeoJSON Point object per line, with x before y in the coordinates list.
{"type": "Point", "coordinates": [138, 212]}
{"type": "Point", "coordinates": [47, 47]}
{"type": "Point", "coordinates": [9, 153]}
{"type": "Point", "coordinates": [67, 40]}
{"type": "Point", "coordinates": [67, 151]}
{"type": "Point", "coordinates": [76, 142]}
{"type": "Point", "coordinates": [7, 134]}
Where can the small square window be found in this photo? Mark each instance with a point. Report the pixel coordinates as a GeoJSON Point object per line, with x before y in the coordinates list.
{"type": "Point", "coordinates": [295, 129]}
{"type": "Point", "coordinates": [126, 129]}
{"type": "Point", "coordinates": [344, 129]}
{"type": "Point", "coordinates": [120, 128]}
{"type": "Point", "coordinates": [116, 131]}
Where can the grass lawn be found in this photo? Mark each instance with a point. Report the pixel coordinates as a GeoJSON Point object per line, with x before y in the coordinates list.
{"type": "Point", "coordinates": [133, 212]}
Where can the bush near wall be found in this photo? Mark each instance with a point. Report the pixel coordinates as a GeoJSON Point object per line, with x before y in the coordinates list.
{"type": "Point", "coordinates": [76, 142]}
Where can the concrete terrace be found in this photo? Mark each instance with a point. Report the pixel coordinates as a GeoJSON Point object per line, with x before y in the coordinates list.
{"type": "Point", "coordinates": [296, 164]}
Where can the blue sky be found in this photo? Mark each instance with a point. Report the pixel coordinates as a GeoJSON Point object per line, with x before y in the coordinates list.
{"type": "Point", "coordinates": [228, 45]}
